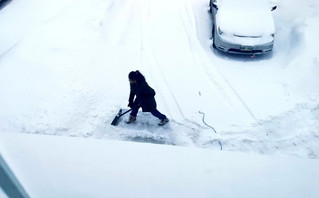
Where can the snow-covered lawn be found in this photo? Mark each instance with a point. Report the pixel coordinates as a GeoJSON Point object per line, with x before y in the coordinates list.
{"type": "Point", "coordinates": [64, 66]}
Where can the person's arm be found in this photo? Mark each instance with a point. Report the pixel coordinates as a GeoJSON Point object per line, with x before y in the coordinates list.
{"type": "Point", "coordinates": [131, 97]}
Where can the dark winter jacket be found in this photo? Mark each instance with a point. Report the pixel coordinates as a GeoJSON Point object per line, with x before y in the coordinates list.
{"type": "Point", "coordinates": [144, 96]}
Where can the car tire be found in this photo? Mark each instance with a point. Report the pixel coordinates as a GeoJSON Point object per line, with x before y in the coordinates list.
{"type": "Point", "coordinates": [213, 37]}
{"type": "Point", "coordinates": [214, 46]}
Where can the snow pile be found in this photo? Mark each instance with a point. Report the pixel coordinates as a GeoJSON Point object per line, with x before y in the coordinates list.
{"type": "Point", "coordinates": [53, 167]}
{"type": "Point", "coordinates": [64, 66]}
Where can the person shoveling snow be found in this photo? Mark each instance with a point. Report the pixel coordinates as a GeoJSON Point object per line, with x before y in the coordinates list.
{"type": "Point", "coordinates": [141, 95]}
{"type": "Point", "coordinates": [144, 97]}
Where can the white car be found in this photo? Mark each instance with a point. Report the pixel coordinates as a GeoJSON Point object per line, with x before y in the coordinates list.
{"type": "Point", "coordinates": [242, 26]}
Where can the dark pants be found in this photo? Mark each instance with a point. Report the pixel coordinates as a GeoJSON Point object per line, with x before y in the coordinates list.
{"type": "Point", "coordinates": [155, 113]}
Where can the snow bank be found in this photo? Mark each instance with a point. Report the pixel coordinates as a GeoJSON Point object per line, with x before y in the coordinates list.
{"type": "Point", "coordinates": [51, 166]}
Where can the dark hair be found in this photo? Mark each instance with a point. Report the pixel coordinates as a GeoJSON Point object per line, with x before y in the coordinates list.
{"type": "Point", "coordinates": [136, 75]}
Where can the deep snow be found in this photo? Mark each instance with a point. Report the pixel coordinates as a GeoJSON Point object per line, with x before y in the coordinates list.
{"type": "Point", "coordinates": [64, 66]}
{"type": "Point", "coordinates": [61, 167]}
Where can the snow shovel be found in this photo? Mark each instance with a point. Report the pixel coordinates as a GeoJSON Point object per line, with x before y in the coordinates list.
{"type": "Point", "coordinates": [116, 120]}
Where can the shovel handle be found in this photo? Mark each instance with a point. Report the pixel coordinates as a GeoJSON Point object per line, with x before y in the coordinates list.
{"type": "Point", "coordinates": [124, 112]}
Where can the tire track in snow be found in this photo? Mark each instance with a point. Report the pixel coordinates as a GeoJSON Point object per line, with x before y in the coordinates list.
{"type": "Point", "coordinates": [151, 60]}
{"type": "Point", "coordinates": [16, 42]}
{"type": "Point", "coordinates": [154, 62]}
{"type": "Point", "coordinates": [226, 90]}
{"type": "Point", "coordinates": [119, 19]}
{"type": "Point", "coordinates": [188, 130]}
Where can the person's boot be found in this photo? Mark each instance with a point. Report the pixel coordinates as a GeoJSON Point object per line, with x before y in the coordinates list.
{"type": "Point", "coordinates": [131, 119]}
{"type": "Point", "coordinates": [164, 121]}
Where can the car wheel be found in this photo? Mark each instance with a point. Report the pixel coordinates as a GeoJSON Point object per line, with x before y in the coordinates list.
{"type": "Point", "coordinates": [213, 37]}
{"type": "Point", "coordinates": [213, 32]}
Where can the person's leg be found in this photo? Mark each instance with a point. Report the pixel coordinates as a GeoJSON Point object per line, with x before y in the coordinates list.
{"type": "Point", "coordinates": [134, 111]}
{"type": "Point", "coordinates": [133, 115]}
{"type": "Point", "coordinates": [158, 114]}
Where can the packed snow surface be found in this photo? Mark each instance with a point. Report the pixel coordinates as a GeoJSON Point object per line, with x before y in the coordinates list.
{"type": "Point", "coordinates": [64, 67]}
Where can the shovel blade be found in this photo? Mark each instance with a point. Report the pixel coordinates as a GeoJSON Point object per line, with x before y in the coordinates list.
{"type": "Point", "coordinates": [116, 120]}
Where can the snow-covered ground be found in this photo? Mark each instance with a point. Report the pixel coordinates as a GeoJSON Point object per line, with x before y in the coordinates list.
{"type": "Point", "coordinates": [51, 167]}
{"type": "Point", "coordinates": [64, 66]}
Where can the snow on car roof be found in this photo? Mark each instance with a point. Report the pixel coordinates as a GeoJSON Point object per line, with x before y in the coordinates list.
{"type": "Point", "coordinates": [245, 17]}
{"type": "Point", "coordinates": [257, 5]}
